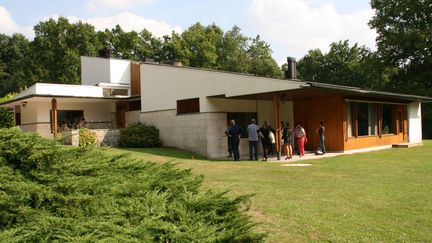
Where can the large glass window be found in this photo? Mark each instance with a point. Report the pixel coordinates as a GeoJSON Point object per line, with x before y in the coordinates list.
{"type": "Point", "coordinates": [387, 119]}
{"type": "Point", "coordinates": [362, 119]}
{"type": "Point", "coordinates": [69, 119]}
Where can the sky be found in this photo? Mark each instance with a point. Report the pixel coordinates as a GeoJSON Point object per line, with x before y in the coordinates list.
{"type": "Point", "coordinates": [291, 27]}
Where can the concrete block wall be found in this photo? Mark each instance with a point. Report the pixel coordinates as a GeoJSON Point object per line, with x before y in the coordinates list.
{"type": "Point", "coordinates": [132, 117]}
{"type": "Point", "coordinates": [181, 131]}
{"type": "Point", "coordinates": [201, 133]}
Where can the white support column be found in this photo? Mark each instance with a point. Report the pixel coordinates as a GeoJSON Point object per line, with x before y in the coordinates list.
{"type": "Point", "coordinates": [414, 122]}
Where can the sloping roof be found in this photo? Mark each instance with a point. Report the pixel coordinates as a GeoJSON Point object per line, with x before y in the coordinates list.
{"type": "Point", "coordinates": [367, 93]}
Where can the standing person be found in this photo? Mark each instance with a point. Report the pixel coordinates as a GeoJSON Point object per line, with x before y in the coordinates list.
{"type": "Point", "coordinates": [272, 138]}
{"type": "Point", "coordinates": [281, 142]}
{"type": "Point", "coordinates": [287, 139]}
{"type": "Point", "coordinates": [252, 130]}
{"type": "Point", "coordinates": [229, 139]}
{"type": "Point", "coordinates": [235, 132]}
{"type": "Point", "coordinates": [321, 134]}
{"type": "Point", "coordinates": [264, 134]}
{"type": "Point", "coordinates": [300, 135]}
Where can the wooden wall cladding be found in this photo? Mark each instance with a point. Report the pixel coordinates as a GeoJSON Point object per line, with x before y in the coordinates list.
{"type": "Point", "coordinates": [373, 141]}
{"type": "Point", "coordinates": [135, 79]}
{"type": "Point", "coordinates": [332, 112]}
{"type": "Point", "coordinates": [329, 110]}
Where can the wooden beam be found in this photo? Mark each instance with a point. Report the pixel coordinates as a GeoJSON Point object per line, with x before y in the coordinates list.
{"type": "Point", "coordinates": [276, 108]}
{"type": "Point", "coordinates": [54, 117]}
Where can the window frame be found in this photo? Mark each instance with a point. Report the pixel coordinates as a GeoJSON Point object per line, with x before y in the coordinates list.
{"type": "Point", "coordinates": [353, 123]}
{"type": "Point", "coordinates": [188, 106]}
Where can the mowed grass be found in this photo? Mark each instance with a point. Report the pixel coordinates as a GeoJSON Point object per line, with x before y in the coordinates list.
{"type": "Point", "coordinates": [383, 196]}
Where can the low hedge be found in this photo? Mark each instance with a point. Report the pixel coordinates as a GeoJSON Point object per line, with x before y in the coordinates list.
{"type": "Point", "coordinates": [139, 135]}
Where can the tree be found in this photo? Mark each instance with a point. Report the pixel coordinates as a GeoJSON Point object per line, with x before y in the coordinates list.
{"type": "Point", "coordinates": [15, 65]}
{"type": "Point", "coordinates": [345, 65]}
{"type": "Point", "coordinates": [57, 47]}
{"type": "Point", "coordinates": [200, 45]}
{"type": "Point", "coordinates": [261, 61]}
{"type": "Point", "coordinates": [233, 55]}
{"type": "Point", "coordinates": [404, 40]}
{"type": "Point", "coordinates": [130, 45]}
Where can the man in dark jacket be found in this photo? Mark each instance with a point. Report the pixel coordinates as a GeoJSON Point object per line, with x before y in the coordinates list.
{"type": "Point", "coordinates": [235, 132]}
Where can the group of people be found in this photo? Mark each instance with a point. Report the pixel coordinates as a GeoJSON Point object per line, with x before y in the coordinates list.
{"type": "Point", "coordinates": [267, 135]}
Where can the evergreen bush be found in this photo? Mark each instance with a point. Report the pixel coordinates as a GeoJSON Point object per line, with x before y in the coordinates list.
{"type": "Point", "coordinates": [139, 136]}
{"type": "Point", "coordinates": [86, 138]}
{"type": "Point", "coordinates": [54, 193]}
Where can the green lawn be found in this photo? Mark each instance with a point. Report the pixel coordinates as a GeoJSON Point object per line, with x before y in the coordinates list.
{"type": "Point", "coordinates": [369, 197]}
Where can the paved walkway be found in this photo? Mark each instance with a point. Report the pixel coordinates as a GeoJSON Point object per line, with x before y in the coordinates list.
{"type": "Point", "coordinates": [311, 155]}
{"type": "Point", "coordinates": [295, 158]}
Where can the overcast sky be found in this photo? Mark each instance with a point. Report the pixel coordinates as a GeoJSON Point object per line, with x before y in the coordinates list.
{"type": "Point", "coordinates": [291, 27]}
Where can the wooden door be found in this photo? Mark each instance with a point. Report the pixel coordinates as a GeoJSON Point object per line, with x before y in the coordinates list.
{"type": "Point", "coordinates": [121, 114]}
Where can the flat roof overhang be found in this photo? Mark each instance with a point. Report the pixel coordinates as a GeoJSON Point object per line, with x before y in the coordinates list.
{"type": "Point", "coordinates": [65, 99]}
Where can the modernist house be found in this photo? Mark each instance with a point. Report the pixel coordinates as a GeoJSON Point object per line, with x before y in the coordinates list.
{"type": "Point", "coordinates": [191, 106]}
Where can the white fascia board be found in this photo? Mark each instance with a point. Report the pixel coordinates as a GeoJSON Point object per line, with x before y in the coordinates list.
{"type": "Point", "coordinates": [62, 90]}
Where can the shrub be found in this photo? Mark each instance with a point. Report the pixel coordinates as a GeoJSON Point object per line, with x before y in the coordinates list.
{"type": "Point", "coordinates": [86, 138]}
{"type": "Point", "coordinates": [6, 115]}
{"type": "Point", "coordinates": [26, 151]}
{"type": "Point", "coordinates": [6, 118]}
{"type": "Point", "coordinates": [87, 196]}
{"type": "Point", "coordinates": [139, 136]}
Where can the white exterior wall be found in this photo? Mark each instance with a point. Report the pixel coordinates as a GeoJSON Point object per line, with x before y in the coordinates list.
{"type": "Point", "coordinates": [414, 122]}
{"type": "Point", "coordinates": [173, 83]}
{"type": "Point", "coordinates": [96, 70]}
{"type": "Point", "coordinates": [120, 71]}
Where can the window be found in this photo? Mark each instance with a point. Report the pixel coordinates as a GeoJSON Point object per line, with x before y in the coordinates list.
{"type": "Point", "coordinates": [69, 119]}
{"type": "Point", "coordinates": [350, 120]}
{"type": "Point", "coordinates": [17, 115]}
{"type": "Point", "coordinates": [400, 122]}
{"type": "Point", "coordinates": [134, 105]}
{"type": "Point", "coordinates": [188, 106]}
{"type": "Point", "coordinates": [361, 119]}
{"type": "Point", "coordinates": [115, 92]}
{"type": "Point", "coordinates": [242, 119]}
{"type": "Point", "coordinates": [387, 121]}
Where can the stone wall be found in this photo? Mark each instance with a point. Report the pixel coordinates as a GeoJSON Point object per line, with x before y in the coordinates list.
{"type": "Point", "coordinates": [105, 137]}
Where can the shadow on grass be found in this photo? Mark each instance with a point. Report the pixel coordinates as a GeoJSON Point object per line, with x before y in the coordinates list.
{"type": "Point", "coordinates": [166, 152]}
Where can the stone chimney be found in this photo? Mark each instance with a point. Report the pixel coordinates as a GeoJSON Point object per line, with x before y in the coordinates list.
{"type": "Point", "coordinates": [291, 72]}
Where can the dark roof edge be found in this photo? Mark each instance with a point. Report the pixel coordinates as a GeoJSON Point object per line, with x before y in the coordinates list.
{"type": "Point", "coordinates": [423, 99]}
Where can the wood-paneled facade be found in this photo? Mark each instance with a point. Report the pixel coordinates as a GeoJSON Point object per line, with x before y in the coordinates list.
{"type": "Point", "coordinates": [333, 112]}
